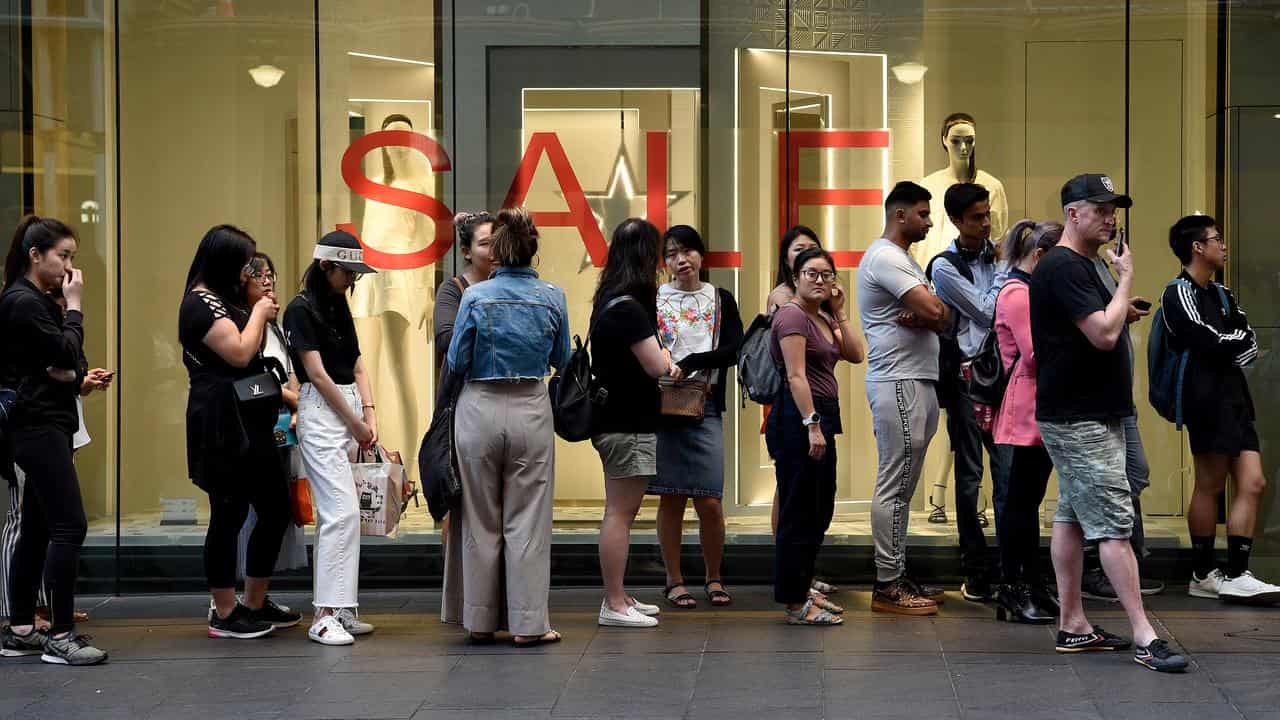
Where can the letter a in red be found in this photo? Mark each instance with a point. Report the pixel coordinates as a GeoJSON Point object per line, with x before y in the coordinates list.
{"type": "Point", "coordinates": [579, 215]}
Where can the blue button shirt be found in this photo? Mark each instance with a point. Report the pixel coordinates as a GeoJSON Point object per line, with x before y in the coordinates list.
{"type": "Point", "coordinates": [510, 327]}
{"type": "Point", "coordinates": [973, 303]}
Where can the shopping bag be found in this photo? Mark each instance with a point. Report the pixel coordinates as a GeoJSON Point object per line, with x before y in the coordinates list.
{"type": "Point", "coordinates": [303, 510]}
{"type": "Point", "coordinates": [380, 488]}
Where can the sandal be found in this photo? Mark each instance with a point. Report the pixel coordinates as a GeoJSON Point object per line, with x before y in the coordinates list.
{"type": "Point", "coordinates": [801, 616]}
{"type": "Point", "coordinates": [717, 598]}
{"type": "Point", "coordinates": [938, 516]}
{"type": "Point", "coordinates": [824, 588]}
{"type": "Point", "coordinates": [824, 603]}
{"type": "Point", "coordinates": [548, 638]}
{"type": "Point", "coordinates": [683, 601]}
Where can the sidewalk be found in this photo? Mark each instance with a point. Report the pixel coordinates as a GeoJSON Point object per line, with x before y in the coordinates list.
{"type": "Point", "coordinates": [702, 665]}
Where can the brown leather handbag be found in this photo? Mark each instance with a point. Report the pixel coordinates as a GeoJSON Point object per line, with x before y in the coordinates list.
{"type": "Point", "coordinates": [687, 397]}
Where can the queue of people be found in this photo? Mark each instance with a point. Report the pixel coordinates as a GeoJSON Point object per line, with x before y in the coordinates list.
{"type": "Point", "coordinates": [1050, 305]}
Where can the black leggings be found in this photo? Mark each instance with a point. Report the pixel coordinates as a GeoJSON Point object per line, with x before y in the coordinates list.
{"type": "Point", "coordinates": [268, 493]}
{"type": "Point", "coordinates": [53, 528]}
{"type": "Point", "coordinates": [1020, 530]}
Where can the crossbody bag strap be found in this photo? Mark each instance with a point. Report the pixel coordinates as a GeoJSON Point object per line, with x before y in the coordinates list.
{"type": "Point", "coordinates": [715, 338]}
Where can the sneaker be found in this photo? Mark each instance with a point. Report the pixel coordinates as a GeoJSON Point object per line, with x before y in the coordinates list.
{"type": "Point", "coordinates": [1096, 586]}
{"type": "Point", "coordinates": [1150, 586]}
{"type": "Point", "coordinates": [645, 608]}
{"type": "Point", "coordinates": [1207, 587]}
{"type": "Point", "coordinates": [1245, 589]}
{"type": "Point", "coordinates": [71, 649]}
{"type": "Point", "coordinates": [329, 631]}
{"type": "Point", "coordinates": [280, 616]}
{"type": "Point", "coordinates": [631, 618]}
{"type": "Point", "coordinates": [240, 625]}
{"type": "Point", "coordinates": [1099, 639]}
{"type": "Point", "coordinates": [898, 597]}
{"type": "Point", "coordinates": [1157, 656]}
{"type": "Point", "coordinates": [351, 622]}
{"type": "Point", "coordinates": [933, 592]}
{"type": "Point", "coordinates": [977, 588]}
{"type": "Point", "coordinates": [14, 645]}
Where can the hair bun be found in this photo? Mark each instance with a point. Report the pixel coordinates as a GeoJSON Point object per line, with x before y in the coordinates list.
{"type": "Point", "coordinates": [516, 221]}
{"type": "Point", "coordinates": [461, 217]}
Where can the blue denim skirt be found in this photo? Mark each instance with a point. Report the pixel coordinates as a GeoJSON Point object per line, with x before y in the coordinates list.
{"type": "Point", "coordinates": [691, 458]}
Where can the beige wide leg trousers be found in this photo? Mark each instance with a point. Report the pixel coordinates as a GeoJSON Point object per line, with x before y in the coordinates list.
{"type": "Point", "coordinates": [505, 441]}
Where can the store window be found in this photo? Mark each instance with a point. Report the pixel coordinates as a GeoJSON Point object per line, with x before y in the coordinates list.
{"type": "Point", "coordinates": [739, 117]}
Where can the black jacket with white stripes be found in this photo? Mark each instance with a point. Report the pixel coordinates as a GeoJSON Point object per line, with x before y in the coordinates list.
{"type": "Point", "coordinates": [1220, 340]}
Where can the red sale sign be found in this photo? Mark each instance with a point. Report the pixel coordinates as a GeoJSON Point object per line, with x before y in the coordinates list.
{"type": "Point", "coordinates": [578, 215]}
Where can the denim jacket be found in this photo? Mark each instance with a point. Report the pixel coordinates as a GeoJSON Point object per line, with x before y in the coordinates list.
{"type": "Point", "coordinates": [510, 327]}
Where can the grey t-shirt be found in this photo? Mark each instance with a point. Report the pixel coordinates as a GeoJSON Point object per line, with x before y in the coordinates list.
{"type": "Point", "coordinates": [894, 352]}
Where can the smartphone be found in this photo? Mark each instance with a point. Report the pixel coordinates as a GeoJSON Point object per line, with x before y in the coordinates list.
{"type": "Point", "coordinates": [1122, 244]}
{"type": "Point", "coordinates": [1142, 305]}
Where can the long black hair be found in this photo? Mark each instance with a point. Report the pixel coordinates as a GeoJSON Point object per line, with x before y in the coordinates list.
{"type": "Point", "coordinates": [632, 267]}
{"type": "Point", "coordinates": [330, 306]}
{"type": "Point", "coordinates": [35, 232]}
{"type": "Point", "coordinates": [785, 276]}
{"type": "Point", "coordinates": [223, 253]}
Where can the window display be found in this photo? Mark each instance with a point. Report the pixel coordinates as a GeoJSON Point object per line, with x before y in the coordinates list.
{"type": "Point", "coordinates": [960, 137]}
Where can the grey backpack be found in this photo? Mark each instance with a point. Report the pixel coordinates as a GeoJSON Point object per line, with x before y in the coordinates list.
{"type": "Point", "coordinates": [758, 375]}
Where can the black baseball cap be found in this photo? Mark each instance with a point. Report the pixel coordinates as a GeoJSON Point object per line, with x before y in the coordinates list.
{"type": "Point", "coordinates": [1094, 187]}
{"type": "Point", "coordinates": [343, 248]}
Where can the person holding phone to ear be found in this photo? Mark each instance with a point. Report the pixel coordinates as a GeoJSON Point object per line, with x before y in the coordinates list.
{"type": "Point", "coordinates": [1095, 585]}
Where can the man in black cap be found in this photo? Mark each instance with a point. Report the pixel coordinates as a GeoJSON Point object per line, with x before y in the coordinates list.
{"type": "Point", "coordinates": [1084, 391]}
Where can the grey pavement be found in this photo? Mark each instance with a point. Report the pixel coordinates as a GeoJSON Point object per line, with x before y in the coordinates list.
{"type": "Point", "coordinates": [703, 664]}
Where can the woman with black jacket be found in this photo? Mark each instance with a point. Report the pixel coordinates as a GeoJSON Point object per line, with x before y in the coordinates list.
{"type": "Point", "coordinates": [42, 364]}
{"type": "Point", "coordinates": [699, 323]}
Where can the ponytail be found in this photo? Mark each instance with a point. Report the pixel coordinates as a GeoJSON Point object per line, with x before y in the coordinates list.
{"type": "Point", "coordinates": [35, 232]}
{"type": "Point", "coordinates": [1027, 236]}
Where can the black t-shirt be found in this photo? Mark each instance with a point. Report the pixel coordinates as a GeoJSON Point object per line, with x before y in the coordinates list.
{"type": "Point", "coordinates": [200, 309]}
{"type": "Point", "coordinates": [326, 328]}
{"type": "Point", "coordinates": [1074, 380]}
{"type": "Point", "coordinates": [633, 404]}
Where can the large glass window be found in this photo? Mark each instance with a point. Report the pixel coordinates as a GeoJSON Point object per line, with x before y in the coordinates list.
{"type": "Point", "coordinates": [290, 118]}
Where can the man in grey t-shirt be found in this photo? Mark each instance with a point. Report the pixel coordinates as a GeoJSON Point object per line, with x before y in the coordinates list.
{"type": "Point", "coordinates": [901, 319]}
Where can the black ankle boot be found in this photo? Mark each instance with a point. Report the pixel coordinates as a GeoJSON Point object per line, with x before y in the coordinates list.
{"type": "Point", "coordinates": [1014, 604]}
{"type": "Point", "coordinates": [1046, 597]}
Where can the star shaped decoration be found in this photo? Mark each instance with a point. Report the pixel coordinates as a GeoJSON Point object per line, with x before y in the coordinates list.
{"type": "Point", "coordinates": [614, 204]}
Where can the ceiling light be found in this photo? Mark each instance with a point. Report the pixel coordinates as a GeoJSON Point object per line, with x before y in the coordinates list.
{"type": "Point", "coordinates": [266, 75]}
{"type": "Point", "coordinates": [909, 73]}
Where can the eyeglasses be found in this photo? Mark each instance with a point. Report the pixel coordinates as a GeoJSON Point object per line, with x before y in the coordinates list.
{"type": "Point", "coordinates": [816, 275]}
{"type": "Point", "coordinates": [1215, 238]}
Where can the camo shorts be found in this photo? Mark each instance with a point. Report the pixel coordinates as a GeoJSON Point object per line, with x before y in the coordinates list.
{"type": "Point", "coordinates": [1093, 489]}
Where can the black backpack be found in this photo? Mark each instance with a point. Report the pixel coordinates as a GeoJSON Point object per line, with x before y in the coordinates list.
{"type": "Point", "coordinates": [989, 379]}
{"type": "Point", "coordinates": [575, 392]}
{"type": "Point", "coordinates": [437, 457]}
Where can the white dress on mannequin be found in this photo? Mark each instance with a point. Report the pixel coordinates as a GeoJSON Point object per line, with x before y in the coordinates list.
{"type": "Point", "coordinates": [944, 231]}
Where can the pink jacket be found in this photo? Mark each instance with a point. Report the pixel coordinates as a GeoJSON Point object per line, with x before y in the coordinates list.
{"type": "Point", "coordinates": [1016, 419]}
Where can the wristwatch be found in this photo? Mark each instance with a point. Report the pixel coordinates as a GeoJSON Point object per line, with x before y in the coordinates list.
{"type": "Point", "coordinates": [813, 419]}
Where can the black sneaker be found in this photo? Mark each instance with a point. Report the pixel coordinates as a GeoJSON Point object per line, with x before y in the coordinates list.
{"type": "Point", "coordinates": [1095, 586]}
{"type": "Point", "coordinates": [977, 588]}
{"type": "Point", "coordinates": [1099, 639]}
{"type": "Point", "coordinates": [1157, 656]}
{"type": "Point", "coordinates": [1150, 586]}
{"type": "Point", "coordinates": [14, 645]}
{"type": "Point", "coordinates": [240, 624]}
{"type": "Point", "coordinates": [933, 592]}
{"type": "Point", "coordinates": [279, 616]}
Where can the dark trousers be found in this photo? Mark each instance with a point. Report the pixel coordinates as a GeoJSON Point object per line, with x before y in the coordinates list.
{"type": "Point", "coordinates": [967, 442]}
{"type": "Point", "coordinates": [268, 493]}
{"type": "Point", "coordinates": [1019, 525]}
{"type": "Point", "coordinates": [53, 528]}
{"type": "Point", "coordinates": [806, 494]}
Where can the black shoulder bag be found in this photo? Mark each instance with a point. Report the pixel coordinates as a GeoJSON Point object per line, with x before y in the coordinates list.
{"type": "Point", "coordinates": [575, 392]}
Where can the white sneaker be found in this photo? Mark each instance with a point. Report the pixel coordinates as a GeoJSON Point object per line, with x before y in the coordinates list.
{"type": "Point", "coordinates": [632, 618]}
{"type": "Point", "coordinates": [645, 608]}
{"type": "Point", "coordinates": [1207, 587]}
{"type": "Point", "coordinates": [1249, 590]}
{"type": "Point", "coordinates": [352, 623]}
{"type": "Point", "coordinates": [328, 631]}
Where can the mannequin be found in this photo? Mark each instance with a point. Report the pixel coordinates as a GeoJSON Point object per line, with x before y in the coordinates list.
{"type": "Point", "coordinates": [391, 307]}
{"type": "Point", "coordinates": [959, 139]}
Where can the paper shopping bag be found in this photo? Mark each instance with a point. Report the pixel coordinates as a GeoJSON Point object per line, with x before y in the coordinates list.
{"type": "Point", "coordinates": [380, 489]}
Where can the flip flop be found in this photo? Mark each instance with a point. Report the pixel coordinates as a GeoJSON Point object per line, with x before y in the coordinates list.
{"type": "Point", "coordinates": [687, 598]}
{"type": "Point", "coordinates": [543, 639]}
{"type": "Point", "coordinates": [718, 598]}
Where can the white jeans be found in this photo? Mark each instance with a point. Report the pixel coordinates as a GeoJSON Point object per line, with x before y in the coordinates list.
{"type": "Point", "coordinates": [325, 443]}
